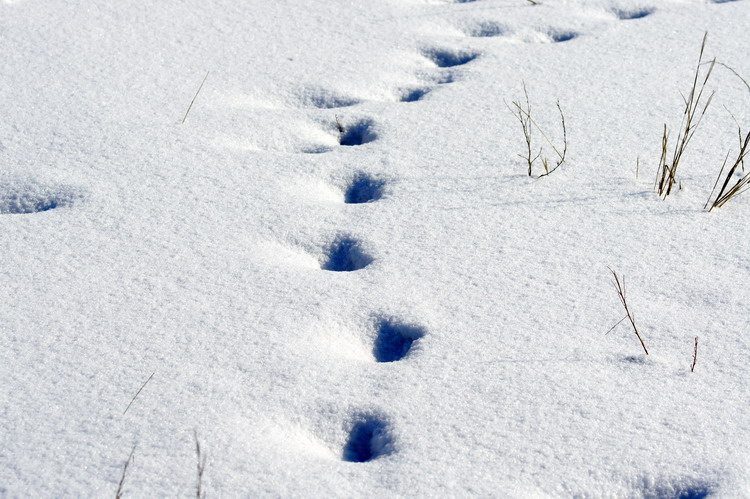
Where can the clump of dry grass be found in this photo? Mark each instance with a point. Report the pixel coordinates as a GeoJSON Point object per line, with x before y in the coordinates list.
{"type": "Point", "coordinates": [734, 183]}
{"type": "Point", "coordinates": [522, 112]}
{"type": "Point", "coordinates": [696, 104]}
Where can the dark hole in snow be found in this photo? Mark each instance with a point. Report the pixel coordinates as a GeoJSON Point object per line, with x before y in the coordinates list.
{"type": "Point", "coordinates": [368, 439]}
{"type": "Point", "coordinates": [358, 134]}
{"type": "Point", "coordinates": [413, 94]}
{"type": "Point", "coordinates": [345, 255]}
{"type": "Point", "coordinates": [444, 58]}
{"type": "Point", "coordinates": [562, 36]}
{"type": "Point", "coordinates": [626, 15]}
{"type": "Point", "coordinates": [363, 189]}
{"type": "Point", "coordinates": [394, 340]}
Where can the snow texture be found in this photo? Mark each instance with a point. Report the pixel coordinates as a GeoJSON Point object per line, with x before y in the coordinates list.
{"type": "Point", "coordinates": [337, 269]}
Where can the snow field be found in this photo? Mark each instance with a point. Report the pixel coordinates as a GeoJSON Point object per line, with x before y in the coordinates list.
{"type": "Point", "coordinates": [395, 309]}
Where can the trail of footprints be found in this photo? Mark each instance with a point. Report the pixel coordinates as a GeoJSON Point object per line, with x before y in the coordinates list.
{"type": "Point", "coordinates": [369, 433]}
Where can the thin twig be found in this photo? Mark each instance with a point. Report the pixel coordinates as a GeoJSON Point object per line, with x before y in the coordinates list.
{"type": "Point", "coordinates": [195, 97]}
{"type": "Point", "coordinates": [613, 327]}
{"type": "Point", "coordinates": [620, 288]}
{"type": "Point", "coordinates": [139, 391]}
{"type": "Point", "coordinates": [695, 355]}
{"type": "Point", "coordinates": [340, 127]}
{"type": "Point", "coordinates": [201, 467]}
{"type": "Point", "coordinates": [121, 485]}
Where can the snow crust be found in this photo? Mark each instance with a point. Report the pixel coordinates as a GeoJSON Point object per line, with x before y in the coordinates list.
{"type": "Point", "coordinates": [337, 268]}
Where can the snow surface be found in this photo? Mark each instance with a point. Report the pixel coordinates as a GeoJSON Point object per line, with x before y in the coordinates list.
{"type": "Point", "coordinates": [416, 302]}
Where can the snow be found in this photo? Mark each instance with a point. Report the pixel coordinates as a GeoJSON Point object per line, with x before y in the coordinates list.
{"type": "Point", "coordinates": [413, 300]}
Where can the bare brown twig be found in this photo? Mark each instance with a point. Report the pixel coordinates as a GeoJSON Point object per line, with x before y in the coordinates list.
{"type": "Point", "coordinates": [620, 288]}
{"type": "Point", "coordinates": [695, 355]}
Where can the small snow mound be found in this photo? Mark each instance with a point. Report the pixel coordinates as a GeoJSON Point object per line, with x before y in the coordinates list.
{"type": "Point", "coordinates": [369, 438]}
{"type": "Point", "coordinates": [345, 254]}
{"type": "Point", "coordinates": [26, 196]}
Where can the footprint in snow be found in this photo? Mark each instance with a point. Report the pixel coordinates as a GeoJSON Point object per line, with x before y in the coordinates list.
{"type": "Point", "coordinates": [357, 133]}
{"type": "Point", "coordinates": [394, 339]}
{"type": "Point", "coordinates": [629, 14]}
{"type": "Point", "coordinates": [558, 36]}
{"type": "Point", "coordinates": [363, 188]}
{"type": "Point", "coordinates": [448, 58]}
{"type": "Point", "coordinates": [345, 254]}
{"type": "Point", "coordinates": [18, 197]}
{"type": "Point", "coordinates": [369, 438]}
{"type": "Point", "coordinates": [412, 94]}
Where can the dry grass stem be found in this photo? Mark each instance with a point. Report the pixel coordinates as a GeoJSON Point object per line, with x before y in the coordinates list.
{"type": "Point", "coordinates": [195, 97]}
{"type": "Point", "coordinates": [620, 288]}
{"type": "Point", "coordinates": [138, 392]}
{"type": "Point", "coordinates": [200, 468]}
{"type": "Point", "coordinates": [339, 127]}
{"type": "Point", "coordinates": [121, 486]}
{"type": "Point", "coordinates": [695, 356]}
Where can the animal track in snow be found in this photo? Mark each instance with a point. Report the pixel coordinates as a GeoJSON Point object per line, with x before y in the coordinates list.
{"type": "Point", "coordinates": [345, 254]}
{"type": "Point", "coordinates": [363, 188]}
{"type": "Point", "coordinates": [558, 36]}
{"type": "Point", "coordinates": [413, 94]}
{"type": "Point", "coordinates": [447, 58]}
{"type": "Point", "coordinates": [25, 197]}
{"type": "Point", "coordinates": [628, 14]}
{"type": "Point", "coordinates": [394, 339]}
{"type": "Point", "coordinates": [361, 132]}
{"type": "Point", "coordinates": [369, 438]}
{"type": "Point", "coordinates": [324, 99]}
{"type": "Point", "coordinates": [677, 488]}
